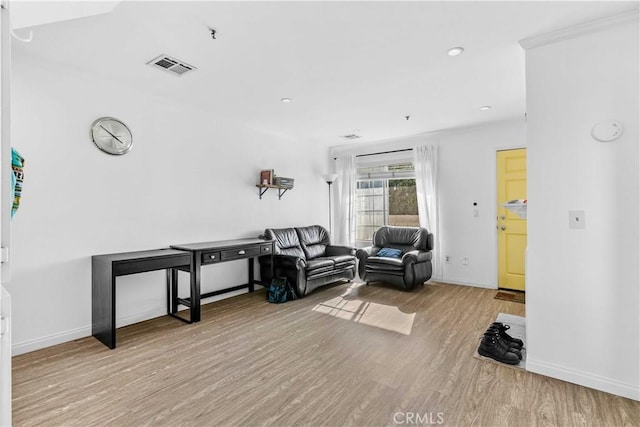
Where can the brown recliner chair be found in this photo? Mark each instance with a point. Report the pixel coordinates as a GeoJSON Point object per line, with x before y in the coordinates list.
{"type": "Point", "coordinates": [405, 260]}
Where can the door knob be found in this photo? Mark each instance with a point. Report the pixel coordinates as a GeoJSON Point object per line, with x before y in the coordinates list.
{"type": "Point", "coordinates": [502, 227]}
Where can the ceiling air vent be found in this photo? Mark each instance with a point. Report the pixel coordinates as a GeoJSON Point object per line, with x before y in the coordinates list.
{"type": "Point", "coordinates": [172, 65]}
{"type": "Point", "coordinates": [351, 136]}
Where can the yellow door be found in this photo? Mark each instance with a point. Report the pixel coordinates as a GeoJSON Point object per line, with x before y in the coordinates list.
{"type": "Point", "coordinates": [512, 229]}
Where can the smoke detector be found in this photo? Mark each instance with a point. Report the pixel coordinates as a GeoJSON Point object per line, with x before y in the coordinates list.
{"type": "Point", "coordinates": [351, 136]}
{"type": "Point", "coordinates": [172, 65]}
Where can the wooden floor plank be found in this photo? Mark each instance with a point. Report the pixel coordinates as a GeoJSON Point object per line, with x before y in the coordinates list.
{"type": "Point", "coordinates": [350, 355]}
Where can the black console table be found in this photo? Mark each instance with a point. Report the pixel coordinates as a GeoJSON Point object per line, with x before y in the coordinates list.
{"type": "Point", "coordinates": [210, 253]}
{"type": "Point", "coordinates": [105, 269]}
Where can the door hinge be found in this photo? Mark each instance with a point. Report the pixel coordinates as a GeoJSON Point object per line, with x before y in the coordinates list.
{"type": "Point", "coordinates": [4, 325]}
{"type": "Point", "coordinates": [4, 255]}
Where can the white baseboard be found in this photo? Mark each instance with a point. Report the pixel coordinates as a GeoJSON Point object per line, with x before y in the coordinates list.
{"type": "Point", "coordinates": [584, 379]}
{"type": "Point", "coordinates": [141, 317]}
{"type": "Point", "coordinates": [85, 331]}
{"type": "Point", "coordinates": [50, 340]}
{"type": "Point", "coordinates": [463, 283]}
{"type": "Point", "coordinates": [77, 333]}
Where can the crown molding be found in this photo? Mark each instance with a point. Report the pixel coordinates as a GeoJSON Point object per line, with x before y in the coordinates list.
{"type": "Point", "coordinates": [580, 29]}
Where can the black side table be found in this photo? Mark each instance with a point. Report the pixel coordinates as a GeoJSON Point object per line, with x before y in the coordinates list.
{"type": "Point", "coordinates": [211, 253]}
{"type": "Point", "coordinates": [105, 269]}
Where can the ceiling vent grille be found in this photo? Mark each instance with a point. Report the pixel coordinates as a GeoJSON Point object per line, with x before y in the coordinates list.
{"type": "Point", "coordinates": [351, 136]}
{"type": "Point", "coordinates": [172, 65]}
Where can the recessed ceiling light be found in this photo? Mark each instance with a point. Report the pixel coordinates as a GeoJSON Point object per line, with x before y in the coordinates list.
{"type": "Point", "coordinates": [485, 108]}
{"type": "Point", "coordinates": [455, 51]}
{"type": "Point", "coordinates": [286, 100]}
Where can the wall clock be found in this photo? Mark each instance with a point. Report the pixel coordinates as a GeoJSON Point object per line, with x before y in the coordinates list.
{"type": "Point", "coordinates": [111, 136]}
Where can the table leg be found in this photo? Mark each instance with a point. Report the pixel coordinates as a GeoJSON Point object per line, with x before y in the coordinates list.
{"type": "Point", "coordinates": [169, 283]}
{"type": "Point", "coordinates": [251, 275]}
{"type": "Point", "coordinates": [196, 262]}
{"type": "Point", "coordinates": [273, 267]}
{"type": "Point", "coordinates": [103, 299]}
{"type": "Point", "coordinates": [172, 290]}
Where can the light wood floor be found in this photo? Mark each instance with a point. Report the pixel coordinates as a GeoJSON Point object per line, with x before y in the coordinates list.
{"type": "Point", "coordinates": [322, 360]}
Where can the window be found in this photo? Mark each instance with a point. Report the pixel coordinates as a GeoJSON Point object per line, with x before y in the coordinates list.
{"type": "Point", "coordinates": [385, 195]}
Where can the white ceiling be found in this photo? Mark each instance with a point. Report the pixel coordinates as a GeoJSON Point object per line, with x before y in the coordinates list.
{"type": "Point", "coordinates": [348, 66]}
{"type": "Point", "coordinates": [26, 13]}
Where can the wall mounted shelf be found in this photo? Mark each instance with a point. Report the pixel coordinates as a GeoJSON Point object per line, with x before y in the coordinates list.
{"type": "Point", "coordinates": [262, 188]}
{"type": "Point", "coordinates": [519, 207]}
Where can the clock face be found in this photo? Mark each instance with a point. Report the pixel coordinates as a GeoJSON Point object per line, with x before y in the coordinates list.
{"type": "Point", "coordinates": [111, 136]}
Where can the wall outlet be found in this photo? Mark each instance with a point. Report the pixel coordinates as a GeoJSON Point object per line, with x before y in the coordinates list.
{"type": "Point", "coordinates": [447, 259]}
{"type": "Point", "coordinates": [465, 261]}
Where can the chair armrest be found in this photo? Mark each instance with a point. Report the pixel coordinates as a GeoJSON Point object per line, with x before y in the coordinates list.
{"type": "Point", "coordinates": [333, 250]}
{"type": "Point", "coordinates": [430, 241]}
{"type": "Point", "coordinates": [416, 256]}
{"type": "Point", "coordinates": [362, 254]}
{"type": "Point", "coordinates": [289, 261]}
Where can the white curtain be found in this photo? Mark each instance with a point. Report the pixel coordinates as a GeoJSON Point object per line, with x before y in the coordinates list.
{"type": "Point", "coordinates": [425, 162]}
{"type": "Point", "coordinates": [345, 198]}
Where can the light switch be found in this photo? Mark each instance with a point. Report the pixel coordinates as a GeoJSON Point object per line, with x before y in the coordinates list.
{"type": "Point", "coordinates": [576, 219]}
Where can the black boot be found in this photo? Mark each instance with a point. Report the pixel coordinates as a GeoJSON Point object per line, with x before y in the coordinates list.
{"type": "Point", "coordinates": [490, 346]}
{"type": "Point", "coordinates": [503, 343]}
{"type": "Point", "coordinates": [513, 345]}
{"type": "Point", "coordinates": [502, 329]}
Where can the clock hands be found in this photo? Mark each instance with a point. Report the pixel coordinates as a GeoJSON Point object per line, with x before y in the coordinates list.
{"type": "Point", "coordinates": [107, 130]}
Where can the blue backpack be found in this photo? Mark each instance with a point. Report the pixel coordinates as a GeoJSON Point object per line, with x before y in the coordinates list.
{"type": "Point", "coordinates": [280, 291]}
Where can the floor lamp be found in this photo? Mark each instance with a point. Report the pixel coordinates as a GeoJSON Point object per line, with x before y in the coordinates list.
{"type": "Point", "coordinates": [329, 178]}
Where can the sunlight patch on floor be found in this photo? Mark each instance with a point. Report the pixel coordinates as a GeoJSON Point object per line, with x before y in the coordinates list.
{"type": "Point", "coordinates": [381, 316]}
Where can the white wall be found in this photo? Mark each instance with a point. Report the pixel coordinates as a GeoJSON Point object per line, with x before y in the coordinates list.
{"type": "Point", "coordinates": [467, 174]}
{"type": "Point", "coordinates": [189, 177]}
{"type": "Point", "coordinates": [583, 321]}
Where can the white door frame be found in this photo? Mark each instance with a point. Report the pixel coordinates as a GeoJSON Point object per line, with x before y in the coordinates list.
{"type": "Point", "coordinates": [5, 214]}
